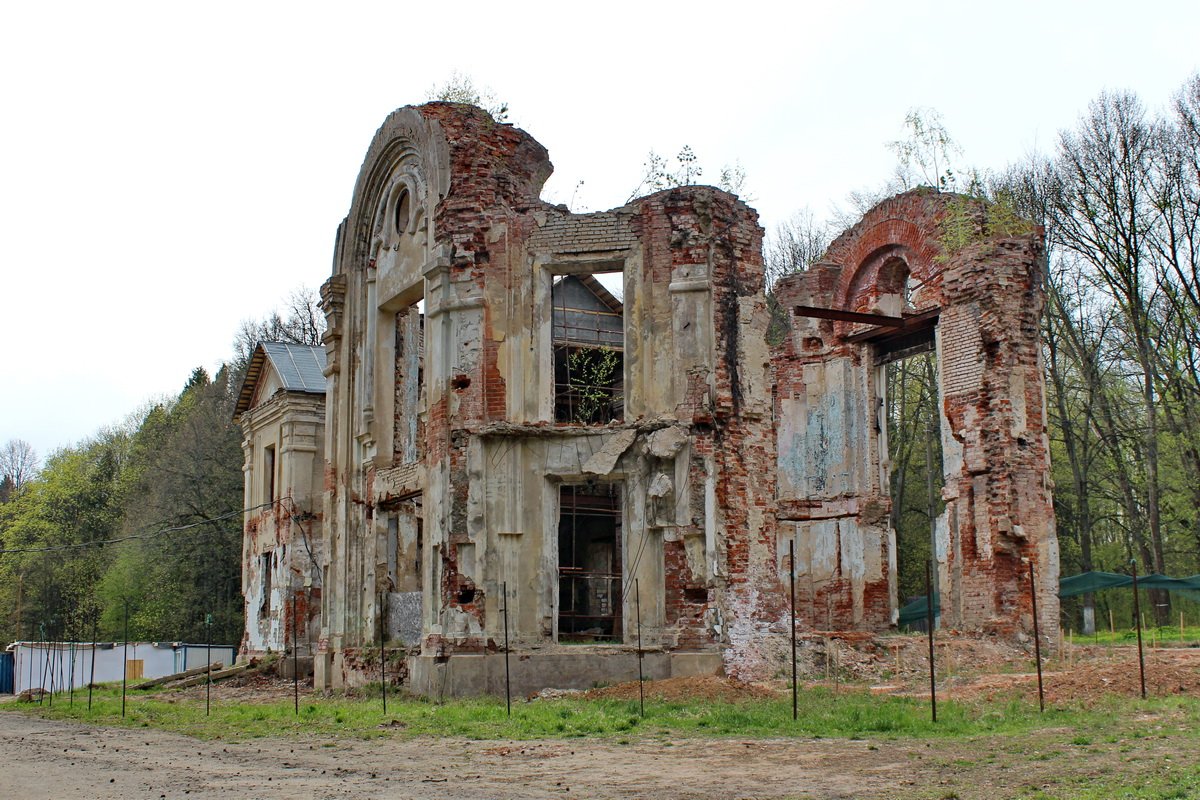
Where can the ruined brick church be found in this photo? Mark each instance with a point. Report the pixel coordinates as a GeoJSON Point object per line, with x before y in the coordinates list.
{"type": "Point", "coordinates": [570, 429]}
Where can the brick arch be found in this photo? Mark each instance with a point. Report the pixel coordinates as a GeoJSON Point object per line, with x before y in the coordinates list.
{"type": "Point", "coordinates": [907, 225]}
{"type": "Point", "coordinates": [867, 279]}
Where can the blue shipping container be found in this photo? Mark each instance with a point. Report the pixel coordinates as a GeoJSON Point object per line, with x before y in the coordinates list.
{"type": "Point", "coordinates": [6, 673]}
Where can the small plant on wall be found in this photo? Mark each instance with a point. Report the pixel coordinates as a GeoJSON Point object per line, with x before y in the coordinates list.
{"type": "Point", "coordinates": [593, 375]}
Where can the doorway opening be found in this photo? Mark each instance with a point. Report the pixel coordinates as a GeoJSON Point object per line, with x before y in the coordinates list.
{"type": "Point", "coordinates": [915, 475]}
{"type": "Point", "coordinates": [589, 563]}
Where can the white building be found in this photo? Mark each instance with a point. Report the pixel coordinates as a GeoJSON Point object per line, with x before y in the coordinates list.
{"type": "Point", "coordinates": [62, 665]}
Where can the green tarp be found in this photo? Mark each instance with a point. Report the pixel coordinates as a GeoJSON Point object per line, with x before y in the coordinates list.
{"type": "Point", "coordinates": [917, 610]}
{"type": "Point", "coordinates": [1095, 581]}
{"type": "Point", "coordinates": [1077, 585]}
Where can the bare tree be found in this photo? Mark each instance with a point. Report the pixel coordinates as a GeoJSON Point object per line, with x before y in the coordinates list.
{"type": "Point", "coordinates": [302, 322]}
{"type": "Point", "coordinates": [1105, 216]}
{"type": "Point", "coordinates": [18, 465]}
{"type": "Point", "coordinates": [795, 244]}
{"type": "Point", "coordinates": [925, 156]}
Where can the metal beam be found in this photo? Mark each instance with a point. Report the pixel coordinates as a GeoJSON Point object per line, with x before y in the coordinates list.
{"type": "Point", "coordinates": [850, 316]}
{"type": "Point", "coordinates": [917, 322]}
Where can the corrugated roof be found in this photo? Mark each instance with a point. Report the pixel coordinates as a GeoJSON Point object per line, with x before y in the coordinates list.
{"type": "Point", "coordinates": [301, 368]}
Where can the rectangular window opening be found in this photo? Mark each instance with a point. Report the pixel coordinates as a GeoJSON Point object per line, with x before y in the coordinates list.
{"type": "Point", "coordinates": [264, 607]}
{"type": "Point", "coordinates": [410, 383]}
{"type": "Point", "coordinates": [588, 342]}
{"type": "Point", "coordinates": [269, 473]}
{"type": "Point", "coordinates": [590, 600]}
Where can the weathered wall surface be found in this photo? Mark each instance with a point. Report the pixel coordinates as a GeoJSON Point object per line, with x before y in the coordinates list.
{"type": "Point", "coordinates": [282, 534]}
{"type": "Point", "coordinates": [445, 462]}
{"type": "Point", "coordinates": [833, 493]}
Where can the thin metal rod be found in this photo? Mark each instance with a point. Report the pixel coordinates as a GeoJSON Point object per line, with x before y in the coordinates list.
{"type": "Point", "coordinates": [382, 657]}
{"type": "Point", "coordinates": [125, 660]}
{"type": "Point", "coordinates": [31, 660]}
{"type": "Point", "coordinates": [208, 669]}
{"type": "Point", "coordinates": [53, 663]}
{"type": "Point", "coordinates": [92, 679]}
{"type": "Point", "coordinates": [929, 625]}
{"type": "Point", "coordinates": [71, 678]}
{"type": "Point", "coordinates": [45, 661]}
{"type": "Point", "coordinates": [1137, 620]}
{"type": "Point", "coordinates": [1037, 639]}
{"type": "Point", "coordinates": [296, 660]}
{"type": "Point", "coordinates": [507, 674]}
{"type": "Point", "coordinates": [637, 600]}
{"type": "Point", "coordinates": [792, 571]}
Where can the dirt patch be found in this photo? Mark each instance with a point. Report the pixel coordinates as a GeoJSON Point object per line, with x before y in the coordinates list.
{"type": "Point", "coordinates": [679, 690]}
{"type": "Point", "coordinates": [251, 689]}
{"type": "Point", "coordinates": [50, 759]}
{"type": "Point", "coordinates": [1086, 677]}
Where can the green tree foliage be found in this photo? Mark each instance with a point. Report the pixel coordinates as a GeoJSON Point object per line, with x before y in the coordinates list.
{"type": "Point", "coordinates": [915, 451]}
{"type": "Point", "coordinates": [147, 514]}
{"type": "Point", "coordinates": [189, 477]}
{"type": "Point", "coordinates": [75, 500]}
{"type": "Point", "coordinates": [1120, 201]}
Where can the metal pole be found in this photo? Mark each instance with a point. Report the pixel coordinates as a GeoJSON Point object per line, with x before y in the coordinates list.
{"type": "Point", "coordinates": [929, 624]}
{"type": "Point", "coordinates": [42, 675]}
{"type": "Point", "coordinates": [1037, 639]}
{"type": "Point", "coordinates": [296, 660]}
{"type": "Point", "coordinates": [208, 667]}
{"type": "Point", "coordinates": [507, 674]}
{"type": "Point", "coordinates": [71, 679]}
{"type": "Point", "coordinates": [53, 663]}
{"type": "Point", "coordinates": [382, 657]}
{"type": "Point", "coordinates": [125, 659]}
{"type": "Point", "coordinates": [62, 657]}
{"type": "Point", "coordinates": [92, 680]}
{"type": "Point", "coordinates": [637, 599]}
{"type": "Point", "coordinates": [1137, 620]}
{"type": "Point", "coordinates": [792, 571]}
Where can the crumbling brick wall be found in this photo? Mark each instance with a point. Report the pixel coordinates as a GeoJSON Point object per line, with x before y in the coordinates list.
{"type": "Point", "coordinates": [986, 291]}
{"type": "Point", "coordinates": [730, 451]}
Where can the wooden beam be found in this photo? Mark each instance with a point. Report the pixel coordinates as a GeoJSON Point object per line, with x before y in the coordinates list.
{"type": "Point", "coordinates": [178, 676]}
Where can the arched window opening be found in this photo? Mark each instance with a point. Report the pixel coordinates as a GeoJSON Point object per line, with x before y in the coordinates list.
{"type": "Point", "coordinates": [403, 212]}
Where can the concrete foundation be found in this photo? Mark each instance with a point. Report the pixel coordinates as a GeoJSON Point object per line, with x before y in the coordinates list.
{"type": "Point", "coordinates": [564, 668]}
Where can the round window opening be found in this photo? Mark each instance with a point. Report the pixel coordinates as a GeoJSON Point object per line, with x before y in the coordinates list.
{"type": "Point", "coordinates": [403, 211]}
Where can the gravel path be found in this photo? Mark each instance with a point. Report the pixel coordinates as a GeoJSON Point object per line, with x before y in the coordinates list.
{"type": "Point", "coordinates": [56, 759]}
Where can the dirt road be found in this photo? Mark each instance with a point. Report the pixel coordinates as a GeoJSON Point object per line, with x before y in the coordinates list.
{"type": "Point", "coordinates": [52, 759]}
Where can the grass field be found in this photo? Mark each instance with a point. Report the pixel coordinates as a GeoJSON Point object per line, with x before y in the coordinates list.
{"type": "Point", "coordinates": [1166, 636]}
{"type": "Point", "coordinates": [1110, 747]}
{"type": "Point", "coordinates": [848, 714]}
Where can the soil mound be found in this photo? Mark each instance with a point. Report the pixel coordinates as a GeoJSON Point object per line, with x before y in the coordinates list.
{"type": "Point", "coordinates": [682, 690]}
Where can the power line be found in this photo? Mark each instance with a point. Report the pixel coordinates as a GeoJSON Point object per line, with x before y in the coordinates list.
{"type": "Point", "coordinates": [133, 536]}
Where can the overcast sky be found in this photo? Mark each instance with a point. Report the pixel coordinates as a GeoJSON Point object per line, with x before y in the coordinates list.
{"type": "Point", "coordinates": [170, 169]}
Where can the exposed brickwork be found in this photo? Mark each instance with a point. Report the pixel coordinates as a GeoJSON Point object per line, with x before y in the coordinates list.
{"type": "Point", "coordinates": [999, 510]}
{"type": "Point", "coordinates": [572, 234]}
{"type": "Point", "coordinates": [729, 448]}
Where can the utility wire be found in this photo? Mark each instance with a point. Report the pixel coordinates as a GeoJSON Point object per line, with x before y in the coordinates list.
{"type": "Point", "coordinates": [133, 536]}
